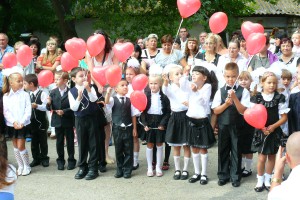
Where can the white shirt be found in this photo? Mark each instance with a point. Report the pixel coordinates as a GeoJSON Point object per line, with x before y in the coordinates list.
{"type": "Point", "coordinates": [62, 91]}
{"type": "Point", "coordinates": [295, 90]}
{"type": "Point", "coordinates": [296, 50]}
{"type": "Point", "coordinates": [17, 107]}
{"type": "Point", "coordinates": [134, 111]}
{"type": "Point", "coordinates": [156, 107]}
{"type": "Point", "coordinates": [11, 175]}
{"type": "Point", "coordinates": [176, 97]}
{"type": "Point", "coordinates": [183, 44]}
{"type": "Point", "coordinates": [245, 100]}
{"type": "Point", "coordinates": [288, 189]}
{"type": "Point", "coordinates": [41, 107]}
{"type": "Point", "coordinates": [74, 103]}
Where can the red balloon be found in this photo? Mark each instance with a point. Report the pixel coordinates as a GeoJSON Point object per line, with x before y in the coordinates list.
{"type": "Point", "coordinates": [95, 44]}
{"type": "Point", "coordinates": [113, 75]}
{"type": "Point", "coordinates": [9, 60]}
{"type": "Point", "coordinates": [139, 82]}
{"type": "Point", "coordinates": [188, 7]}
{"type": "Point", "coordinates": [218, 22]}
{"type": "Point", "coordinates": [24, 55]}
{"type": "Point", "coordinates": [76, 47]}
{"type": "Point", "coordinates": [123, 50]}
{"type": "Point", "coordinates": [249, 27]}
{"type": "Point", "coordinates": [68, 62]}
{"type": "Point", "coordinates": [255, 43]}
{"type": "Point", "coordinates": [99, 74]}
{"type": "Point", "coordinates": [256, 116]}
{"type": "Point", "coordinates": [138, 100]}
{"type": "Point", "coordinates": [45, 78]}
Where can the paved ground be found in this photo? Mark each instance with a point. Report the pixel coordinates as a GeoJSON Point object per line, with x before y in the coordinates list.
{"type": "Point", "coordinates": [49, 183]}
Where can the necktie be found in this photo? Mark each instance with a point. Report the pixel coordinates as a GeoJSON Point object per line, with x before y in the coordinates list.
{"type": "Point", "coordinates": [122, 100]}
{"type": "Point", "coordinates": [32, 97]}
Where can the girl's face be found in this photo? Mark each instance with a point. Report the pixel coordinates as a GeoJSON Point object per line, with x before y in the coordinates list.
{"type": "Point", "coordinates": [167, 47]}
{"type": "Point", "coordinates": [191, 45]}
{"type": "Point", "coordinates": [286, 48]}
{"type": "Point", "coordinates": [269, 85]}
{"type": "Point", "coordinates": [34, 49]}
{"type": "Point", "coordinates": [233, 50]}
{"type": "Point", "coordinates": [175, 75]}
{"type": "Point", "coordinates": [16, 82]}
{"type": "Point", "coordinates": [152, 43]}
{"type": "Point", "coordinates": [286, 82]}
{"type": "Point", "coordinates": [296, 39]}
{"type": "Point", "coordinates": [245, 82]}
{"type": "Point", "coordinates": [154, 84]}
{"type": "Point", "coordinates": [198, 78]}
{"type": "Point", "coordinates": [80, 78]}
{"type": "Point", "coordinates": [129, 74]}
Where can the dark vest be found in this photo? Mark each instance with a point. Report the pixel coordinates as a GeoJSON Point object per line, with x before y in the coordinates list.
{"type": "Point", "coordinates": [38, 117]}
{"type": "Point", "coordinates": [121, 113]}
{"type": "Point", "coordinates": [230, 115]}
{"type": "Point", "coordinates": [86, 107]}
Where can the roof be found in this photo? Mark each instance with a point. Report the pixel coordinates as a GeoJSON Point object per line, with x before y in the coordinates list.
{"type": "Point", "coordinates": [283, 7]}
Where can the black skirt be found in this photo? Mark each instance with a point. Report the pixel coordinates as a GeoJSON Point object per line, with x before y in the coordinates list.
{"type": "Point", "coordinates": [246, 133]}
{"type": "Point", "coordinates": [177, 128]}
{"type": "Point", "coordinates": [140, 129]}
{"type": "Point", "coordinates": [154, 135]}
{"type": "Point", "coordinates": [23, 133]}
{"type": "Point", "coordinates": [200, 133]}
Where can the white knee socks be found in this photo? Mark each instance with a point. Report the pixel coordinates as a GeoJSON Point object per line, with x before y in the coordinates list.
{"type": "Point", "coordinates": [25, 159]}
{"type": "Point", "coordinates": [149, 156]}
{"type": "Point", "coordinates": [159, 156]}
{"type": "Point", "coordinates": [248, 164]}
{"type": "Point", "coordinates": [267, 180]}
{"type": "Point", "coordinates": [204, 159]}
{"type": "Point", "coordinates": [186, 163]}
{"type": "Point", "coordinates": [177, 162]}
{"type": "Point", "coordinates": [19, 161]}
{"type": "Point", "coordinates": [135, 158]}
{"type": "Point", "coordinates": [196, 161]}
{"type": "Point", "coordinates": [260, 180]}
{"type": "Point", "coordinates": [243, 162]}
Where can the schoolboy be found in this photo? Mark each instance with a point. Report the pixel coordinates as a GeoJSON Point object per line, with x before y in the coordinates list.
{"type": "Point", "coordinates": [62, 120]}
{"type": "Point", "coordinates": [39, 122]}
{"type": "Point", "coordinates": [229, 103]}
{"type": "Point", "coordinates": [124, 128]}
{"type": "Point", "coordinates": [82, 99]}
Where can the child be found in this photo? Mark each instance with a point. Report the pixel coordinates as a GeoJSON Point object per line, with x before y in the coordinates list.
{"type": "Point", "coordinates": [124, 128]}
{"type": "Point", "coordinates": [62, 119]}
{"type": "Point", "coordinates": [296, 43]}
{"type": "Point", "coordinates": [176, 134]}
{"type": "Point", "coordinates": [82, 99]}
{"type": "Point", "coordinates": [155, 118]}
{"type": "Point", "coordinates": [271, 134]}
{"type": "Point", "coordinates": [229, 103]}
{"type": "Point", "coordinates": [39, 122]}
{"type": "Point", "coordinates": [17, 113]}
{"type": "Point", "coordinates": [246, 131]}
{"type": "Point", "coordinates": [2, 127]}
{"type": "Point", "coordinates": [200, 133]}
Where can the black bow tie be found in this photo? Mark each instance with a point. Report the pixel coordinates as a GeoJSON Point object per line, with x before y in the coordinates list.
{"type": "Point", "coordinates": [229, 88]}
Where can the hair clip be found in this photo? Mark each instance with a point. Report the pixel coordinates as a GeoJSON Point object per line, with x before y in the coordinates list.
{"type": "Point", "coordinates": [155, 69]}
{"type": "Point", "coordinates": [133, 62]}
{"type": "Point", "coordinates": [16, 69]}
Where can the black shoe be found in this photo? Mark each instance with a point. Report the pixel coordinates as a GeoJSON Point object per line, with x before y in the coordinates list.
{"type": "Point", "coordinates": [259, 189]}
{"type": "Point", "coordinates": [81, 174]}
{"type": "Point", "coordinates": [60, 167]}
{"type": "Point", "coordinates": [236, 183]}
{"type": "Point", "coordinates": [127, 176]}
{"type": "Point", "coordinates": [102, 168]}
{"type": "Point", "coordinates": [45, 163]}
{"type": "Point", "coordinates": [177, 175]}
{"type": "Point", "coordinates": [184, 175]}
{"type": "Point", "coordinates": [194, 178]}
{"type": "Point", "coordinates": [267, 188]}
{"type": "Point", "coordinates": [246, 173]}
{"type": "Point", "coordinates": [136, 167]}
{"type": "Point", "coordinates": [203, 180]}
{"type": "Point", "coordinates": [222, 182]}
{"type": "Point", "coordinates": [91, 175]}
{"type": "Point", "coordinates": [118, 175]}
{"type": "Point", "coordinates": [35, 163]}
{"type": "Point", "coordinates": [71, 166]}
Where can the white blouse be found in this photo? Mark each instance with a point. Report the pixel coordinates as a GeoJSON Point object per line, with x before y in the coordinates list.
{"type": "Point", "coordinates": [176, 96]}
{"type": "Point", "coordinates": [17, 107]}
{"type": "Point", "coordinates": [156, 107]}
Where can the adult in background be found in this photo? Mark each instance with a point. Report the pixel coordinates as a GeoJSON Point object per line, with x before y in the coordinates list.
{"type": "Point", "coordinates": [202, 37]}
{"type": "Point", "coordinates": [151, 50]}
{"type": "Point", "coordinates": [191, 51]}
{"type": "Point", "coordinates": [35, 45]}
{"type": "Point", "coordinates": [140, 42]}
{"type": "Point", "coordinates": [184, 34]}
{"type": "Point", "coordinates": [4, 48]}
{"type": "Point", "coordinates": [221, 49]}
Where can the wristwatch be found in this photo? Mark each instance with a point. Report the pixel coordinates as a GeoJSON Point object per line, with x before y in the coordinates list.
{"type": "Point", "coordinates": [276, 180]}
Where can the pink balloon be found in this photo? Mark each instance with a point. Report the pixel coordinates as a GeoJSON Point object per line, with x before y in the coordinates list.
{"type": "Point", "coordinates": [68, 62]}
{"type": "Point", "coordinates": [113, 75]}
{"type": "Point", "coordinates": [218, 22]}
{"type": "Point", "coordinates": [9, 60]}
{"type": "Point", "coordinates": [256, 116]}
{"type": "Point", "coordinates": [139, 82]}
{"type": "Point", "coordinates": [76, 47]}
{"type": "Point", "coordinates": [255, 43]}
{"type": "Point", "coordinates": [95, 44]}
{"type": "Point", "coordinates": [99, 74]}
{"type": "Point", "coordinates": [123, 50]}
{"type": "Point", "coordinates": [188, 7]}
{"type": "Point", "coordinates": [249, 27]}
{"type": "Point", "coordinates": [138, 100]}
{"type": "Point", "coordinates": [24, 55]}
{"type": "Point", "coordinates": [45, 78]}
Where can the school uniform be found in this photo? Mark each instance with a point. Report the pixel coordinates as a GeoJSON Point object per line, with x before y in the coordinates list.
{"type": "Point", "coordinates": [229, 151]}
{"type": "Point", "coordinates": [38, 128]}
{"type": "Point", "coordinates": [85, 111]}
{"type": "Point", "coordinates": [63, 125]}
{"type": "Point", "coordinates": [2, 128]}
{"type": "Point", "coordinates": [294, 114]}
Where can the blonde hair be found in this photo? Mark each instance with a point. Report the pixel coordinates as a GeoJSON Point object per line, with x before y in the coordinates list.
{"type": "Point", "coordinates": [6, 81]}
{"type": "Point", "coordinates": [266, 75]}
{"type": "Point", "coordinates": [245, 75]}
{"type": "Point", "coordinates": [18, 44]}
{"type": "Point", "coordinates": [212, 37]}
{"type": "Point", "coordinates": [220, 41]}
{"type": "Point", "coordinates": [46, 55]}
{"type": "Point", "coordinates": [286, 74]}
{"type": "Point", "coordinates": [156, 76]}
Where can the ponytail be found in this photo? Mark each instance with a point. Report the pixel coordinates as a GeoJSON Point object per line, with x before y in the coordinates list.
{"type": "Point", "coordinates": [212, 79]}
{"type": "Point", "coordinates": [5, 87]}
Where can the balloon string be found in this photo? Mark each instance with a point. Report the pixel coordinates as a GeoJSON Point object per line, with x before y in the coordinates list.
{"type": "Point", "coordinates": [176, 35]}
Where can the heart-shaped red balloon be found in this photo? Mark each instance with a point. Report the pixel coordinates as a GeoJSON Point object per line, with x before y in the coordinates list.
{"type": "Point", "coordinates": [113, 75]}
{"type": "Point", "coordinates": [256, 116]}
{"type": "Point", "coordinates": [9, 60]}
{"type": "Point", "coordinates": [249, 27]}
{"type": "Point", "coordinates": [45, 78]}
{"type": "Point", "coordinates": [95, 44]}
{"type": "Point", "coordinates": [68, 62]}
{"type": "Point", "coordinates": [123, 50]}
{"type": "Point", "coordinates": [188, 7]}
{"type": "Point", "coordinates": [76, 47]}
{"type": "Point", "coordinates": [218, 22]}
{"type": "Point", "coordinates": [139, 82]}
{"type": "Point", "coordinates": [255, 43]}
{"type": "Point", "coordinates": [99, 74]}
{"type": "Point", "coordinates": [24, 55]}
{"type": "Point", "coordinates": [138, 100]}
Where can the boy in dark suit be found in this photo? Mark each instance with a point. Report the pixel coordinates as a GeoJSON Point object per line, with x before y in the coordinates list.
{"type": "Point", "coordinates": [39, 121]}
{"type": "Point", "coordinates": [229, 103]}
{"type": "Point", "coordinates": [62, 119]}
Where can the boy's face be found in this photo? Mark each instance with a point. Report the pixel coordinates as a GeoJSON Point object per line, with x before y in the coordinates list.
{"type": "Point", "coordinates": [79, 78]}
{"type": "Point", "coordinates": [59, 82]}
{"type": "Point", "coordinates": [154, 84]}
{"type": "Point", "coordinates": [122, 88]}
{"type": "Point", "coordinates": [230, 77]}
{"type": "Point", "coordinates": [28, 86]}
{"type": "Point", "coordinates": [286, 82]}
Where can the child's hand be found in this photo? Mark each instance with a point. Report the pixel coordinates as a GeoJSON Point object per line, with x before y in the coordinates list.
{"type": "Point", "coordinates": [100, 89]}
{"type": "Point", "coordinates": [187, 69]}
{"type": "Point", "coordinates": [228, 101]}
{"type": "Point", "coordinates": [16, 125]}
{"type": "Point", "coordinates": [165, 78]}
{"type": "Point", "coordinates": [231, 93]}
{"type": "Point", "coordinates": [186, 103]}
{"type": "Point", "coordinates": [109, 90]}
{"type": "Point", "coordinates": [146, 128]}
{"type": "Point", "coordinates": [265, 131]}
{"type": "Point", "coordinates": [134, 133]}
{"type": "Point", "coordinates": [87, 86]}
{"type": "Point", "coordinates": [34, 105]}
{"type": "Point", "coordinates": [161, 128]}
{"type": "Point", "coordinates": [194, 87]}
{"type": "Point", "coordinates": [59, 112]}
{"type": "Point", "coordinates": [271, 128]}
{"type": "Point", "coordinates": [49, 100]}
{"type": "Point", "coordinates": [80, 92]}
